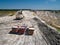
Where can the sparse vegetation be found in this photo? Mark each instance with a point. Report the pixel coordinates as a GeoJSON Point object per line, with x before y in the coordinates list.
{"type": "Point", "coordinates": [7, 12]}
{"type": "Point", "coordinates": [58, 30]}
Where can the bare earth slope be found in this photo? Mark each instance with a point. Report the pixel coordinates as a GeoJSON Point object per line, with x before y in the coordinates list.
{"type": "Point", "coordinates": [49, 17]}
{"type": "Point", "coordinates": [51, 35]}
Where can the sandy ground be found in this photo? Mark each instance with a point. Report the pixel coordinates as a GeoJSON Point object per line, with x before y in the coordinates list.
{"type": "Point", "coordinates": [6, 24]}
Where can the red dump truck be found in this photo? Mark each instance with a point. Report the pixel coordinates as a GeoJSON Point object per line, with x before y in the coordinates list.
{"type": "Point", "coordinates": [17, 30]}
{"type": "Point", "coordinates": [22, 30]}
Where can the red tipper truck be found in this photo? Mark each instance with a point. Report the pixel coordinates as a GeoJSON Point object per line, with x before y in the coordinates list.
{"type": "Point", "coordinates": [17, 30]}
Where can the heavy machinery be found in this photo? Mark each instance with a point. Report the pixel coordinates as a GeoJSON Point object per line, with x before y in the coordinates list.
{"type": "Point", "coordinates": [19, 15]}
{"type": "Point", "coordinates": [29, 31]}
{"type": "Point", "coordinates": [22, 30]}
{"type": "Point", "coordinates": [17, 30]}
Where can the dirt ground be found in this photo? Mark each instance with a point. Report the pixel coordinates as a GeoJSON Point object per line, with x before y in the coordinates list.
{"type": "Point", "coordinates": [6, 24]}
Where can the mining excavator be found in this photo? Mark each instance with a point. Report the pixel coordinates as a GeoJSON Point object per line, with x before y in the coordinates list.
{"type": "Point", "coordinates": [22, 30]}
{"type": "Point", "coordinates": [19, 15]}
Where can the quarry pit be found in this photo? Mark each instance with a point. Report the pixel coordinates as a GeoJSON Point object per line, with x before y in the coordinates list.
{"type": "Point", "coordinates": [43, 34]}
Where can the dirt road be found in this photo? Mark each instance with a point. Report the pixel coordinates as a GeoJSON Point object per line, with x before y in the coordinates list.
{"type": "Point", "coordinates": [13, 39]}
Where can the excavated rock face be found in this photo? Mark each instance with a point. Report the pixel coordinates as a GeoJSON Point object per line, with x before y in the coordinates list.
{"type": "Point", "coordinates": [49, 17]}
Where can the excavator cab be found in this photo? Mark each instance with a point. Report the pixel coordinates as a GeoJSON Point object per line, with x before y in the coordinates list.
{"type": "Point", "coordinates": [19, 15]}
